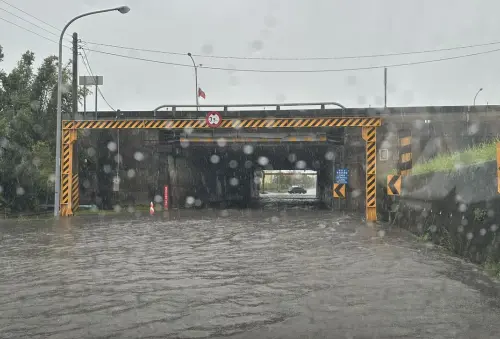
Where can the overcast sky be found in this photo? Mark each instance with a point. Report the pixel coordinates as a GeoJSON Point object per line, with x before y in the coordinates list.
{"type": "Point", "coordinates": [274, 28]}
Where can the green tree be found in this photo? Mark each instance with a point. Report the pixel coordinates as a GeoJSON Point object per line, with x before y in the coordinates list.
{"type": "Point", "coordinates": [27, 131]}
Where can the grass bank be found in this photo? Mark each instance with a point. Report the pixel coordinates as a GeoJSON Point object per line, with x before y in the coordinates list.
{"type": "Point", "coordinates": [450, 162]}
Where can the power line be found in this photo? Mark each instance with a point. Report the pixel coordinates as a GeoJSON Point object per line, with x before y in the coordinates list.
{"type": "Point", "coordinates": [86, 62]}
{"type": "Point", "coordinates": [20, 17]}
{"type": "Point", "coordinates": [29, 30]}
{"type": "Point", "coordinates": [34, 17]}
{"type": "Point", "coordinates": [300, 71]}
{"type": "Point", "coordinates": [299, 58]}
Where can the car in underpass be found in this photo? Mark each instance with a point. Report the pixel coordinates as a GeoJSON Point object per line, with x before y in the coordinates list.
{"type": "Point", "coordinates": [297, 190]}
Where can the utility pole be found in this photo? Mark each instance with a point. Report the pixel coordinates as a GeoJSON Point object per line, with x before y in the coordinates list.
{"type": "Point", "coordinates": [385, 87]}
{"type": "Point", "coordinates": [75, 77]}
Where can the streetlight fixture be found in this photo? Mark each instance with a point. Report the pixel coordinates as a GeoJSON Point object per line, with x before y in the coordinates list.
{"type": "Point", "coordinates": [195, 79]}
{"type": "Point", "coordinates": [57, 188]}
{"type": "Point", "coordinates": [480, 90]}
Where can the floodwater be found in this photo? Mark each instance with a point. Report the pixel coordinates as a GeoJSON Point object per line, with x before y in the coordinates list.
{"type": "Point", "coordinates": [296, 272]}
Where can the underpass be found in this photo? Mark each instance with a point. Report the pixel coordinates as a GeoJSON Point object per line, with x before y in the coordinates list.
{"type": "Point", "coordinates": [197, 163]}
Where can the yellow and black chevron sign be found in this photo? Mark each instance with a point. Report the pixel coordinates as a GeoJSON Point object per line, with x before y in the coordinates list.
{"type": "Point", "coordinates": [229, 123]}
{"type": "Point", "coordinates": [339, 191]}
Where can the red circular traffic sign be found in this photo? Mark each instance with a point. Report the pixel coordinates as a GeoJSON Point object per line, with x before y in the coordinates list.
{"type": "Point", "coordinates": [213, 119]}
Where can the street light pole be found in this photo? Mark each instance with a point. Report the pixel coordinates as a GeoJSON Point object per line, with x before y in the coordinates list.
{"type": "Point", "coordinates": [195, 79]}
{"type": "Point", "coordinates": [57, 188]}
{"type": "Point", "coordinates": [477, 95]}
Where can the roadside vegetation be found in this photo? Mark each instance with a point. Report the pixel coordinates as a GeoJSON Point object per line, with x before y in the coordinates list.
{"type": "Point", "coordinates": [27, 132]}
{"type": "Point", "coordinates": [449, 162]}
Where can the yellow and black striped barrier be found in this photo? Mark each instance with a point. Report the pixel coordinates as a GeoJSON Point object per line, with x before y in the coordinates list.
{"type": "Point", "coordinates": [69, 201]}
{"type": "Point", "coordinates": [67, 177]}
{"type": "Point", "coordinates": [405, 157]}
{"type": "Point", "coordinates": [370, 137]}
{"type": "Point", "coordinates": [227, 123]}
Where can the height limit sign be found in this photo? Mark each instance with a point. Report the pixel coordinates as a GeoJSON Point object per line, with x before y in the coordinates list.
{"type": "Point", "coordinates": [213, 119]}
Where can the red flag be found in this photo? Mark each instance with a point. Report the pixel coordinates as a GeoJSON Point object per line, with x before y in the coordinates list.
{"type": "Point", "coordinates": [201, 93]}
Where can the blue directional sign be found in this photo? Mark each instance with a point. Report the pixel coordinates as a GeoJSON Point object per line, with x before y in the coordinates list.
{"type": "Point", "coordinates": [342, 176]}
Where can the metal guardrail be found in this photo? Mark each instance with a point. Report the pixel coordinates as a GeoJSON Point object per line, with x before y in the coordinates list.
{"type": "Point", "coordinates": [278, 107]}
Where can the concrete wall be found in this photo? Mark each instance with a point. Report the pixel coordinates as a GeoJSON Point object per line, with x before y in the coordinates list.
{"type": "Point", "coordinates": [460, 210]}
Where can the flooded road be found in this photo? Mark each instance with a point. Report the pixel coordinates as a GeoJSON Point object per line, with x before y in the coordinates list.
{"type": "Point", "coordinates": [295, 273]}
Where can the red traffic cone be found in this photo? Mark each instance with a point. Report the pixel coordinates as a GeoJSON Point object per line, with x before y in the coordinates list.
{"type": "Point", "coordinates": [151, 209]}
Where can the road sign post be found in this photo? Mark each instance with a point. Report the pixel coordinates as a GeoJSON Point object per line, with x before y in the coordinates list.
{"type": "Point", "coordinates": [91, 81]}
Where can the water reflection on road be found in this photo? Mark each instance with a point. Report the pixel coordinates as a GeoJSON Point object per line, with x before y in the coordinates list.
{"type": "Point", "coordinates": [242, 274]}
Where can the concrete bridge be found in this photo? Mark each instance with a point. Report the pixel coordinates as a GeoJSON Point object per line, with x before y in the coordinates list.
{"type": "Point", "coordinates": [202, 165]}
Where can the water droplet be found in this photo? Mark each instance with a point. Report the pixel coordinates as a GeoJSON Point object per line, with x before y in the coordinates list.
{"type": "Point", "coordinates": [190, 200]}
{"type": "Point", "coordinates": [493, 228]}
{"type": "Point", "coordinates": [107, 169]}
{"type": "Point", "coordinates": [20, 190]}
{"type": "Point", "coordinates": [280, 98]}
{"type": "Point", "coordinates": [222, 142]}
{"type": "Point", "coordinates": [234, 181]}
{"type": "Point", "coordinates": [292, 157]}
{"type": "Point", "coordinates": [351, 80]}
{"type": "Point", "coordinates": [52, 178]}
{"type": "Point", "coordinates": [381, 233]}
{"type": "Point", "coordinates": [462, 208]}
{"type": "Point", "coordinates": [233, 164]}
{"type": "Point", "coordinates": [248, 149]}
{"type": "Point", "coordinates": [224, 213]}
{"type": "Point", "coordinates": [433, 228]}
{"type": "Point", "coordinates": [275, 219]}
{"type": "Point", "coordinates": [356, 193]}
{"type": "Point", "coordinates": [460, 229]}
{"type": "Point", "coordinates": [131, 173]}
{"type": "Point", "coordinates": [234, 80]}
{"type": "Point", "coordinates": [207, 49]}
{"type": "Point", "coordinates": [301, 164]}
{"type": "Point", "coordinates": [184, 143]}
{"type": "Point", "coordinates": [470, 236]}
{"type": "Point", "coordinates": [248, 164]}
{"type": "Point", "coordinates": [86, 184]}
{"type": "Point", "coordinates": [118, 158]}
{"type": "Point", "coordinates": [112, 146]}
{"type": "Point", "coordinates": [257, 45]}
{"type": "Point", "coordinates": [270, 21]}
{"type": "Point", "coordinates": [329, 155]}
{"type": "Point", "coordinates": [91, 152]}
{"type": "Point", "coordinates": [214, 159]}
{"type": "Point", "coordinates": [138, 156]}
{"type": "Point", "coordinates": [263, 161]}
{"type": "Point", "coordinates": [117, 208]}
{"type": "Point", "coordinates": [482, 231]}
{"type": "Point", "coordinates": [473, 129]}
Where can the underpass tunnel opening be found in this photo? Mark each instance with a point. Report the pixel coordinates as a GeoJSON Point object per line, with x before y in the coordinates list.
{"type": "Point", "coordinates": [256, 173]}
{"type": "Point", "coordinates": [218, 168]}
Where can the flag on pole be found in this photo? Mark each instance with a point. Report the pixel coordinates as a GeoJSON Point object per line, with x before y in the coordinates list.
{"type": "Point", "coordinates": [201, 93]}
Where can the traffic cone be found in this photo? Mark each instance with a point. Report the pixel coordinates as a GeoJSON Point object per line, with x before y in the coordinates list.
{"type": "Point", "coordinates": [151, 209]}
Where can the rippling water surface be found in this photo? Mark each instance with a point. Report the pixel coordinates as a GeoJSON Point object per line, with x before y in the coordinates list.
{"type": "Point", "coordinates": [240, 274]}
